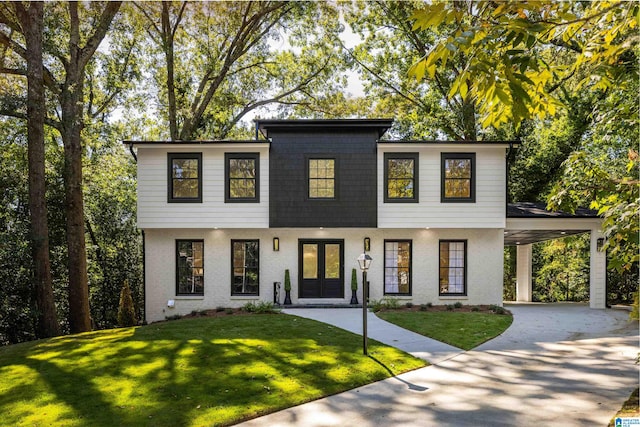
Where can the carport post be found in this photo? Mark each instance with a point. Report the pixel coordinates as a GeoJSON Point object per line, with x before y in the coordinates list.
{"type": "Point", "coordinates": [524, 263]}
{"type": "Point", "coordinates": [598, 272]}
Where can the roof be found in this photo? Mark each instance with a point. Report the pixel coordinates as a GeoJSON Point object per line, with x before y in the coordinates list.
{"type": "Point", "coordinates": [206, 142]}
{"type": "Point", "coordinates": [456, 142]}
{"type": "Point", "coordinates": [539, 210]}
{"type": "Point", "coordinates": [381, 125]}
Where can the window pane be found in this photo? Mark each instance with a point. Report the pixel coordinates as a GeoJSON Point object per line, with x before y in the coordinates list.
{"type": "Point", "coordinates": [458, 168]}
{"type": "Point", "coordinates": [190, 265]}
{"type": "Point", "coordinates": [321, 178]}
{"type": "Point", "coordinates": [452, 275]}
{"type": "Point", "coordinates": [310, 261]}
{"type": "Point", "coordinates": [331, 261]}
{"type": "Point", "coordinates": [400, 168]}
{"type": "Point", "coordinates": [400, 178]}
{"type": "Point", "coordinates": [245, 267]}
{"type": "Point", "coordinates": [185, 168]}
{"type": "Point", "coordinates": [397, 261]}
{"type": "Point", "coordinates": [185, 188]}
{"type": "Point", "coordinates": [457, 188]}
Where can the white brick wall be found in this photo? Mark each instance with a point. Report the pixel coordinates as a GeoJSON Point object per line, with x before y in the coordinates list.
{"type": "Point", "coordinates": [484, 265]}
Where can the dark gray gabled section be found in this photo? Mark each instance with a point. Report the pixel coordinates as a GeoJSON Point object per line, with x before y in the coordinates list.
{"type": "Point", "coordinates": [352, 143]}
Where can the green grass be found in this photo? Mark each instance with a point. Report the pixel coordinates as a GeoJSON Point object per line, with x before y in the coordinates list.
{"type": "Point", "coordinates": [630, 408]}
{"type": "Point", "coordinates": [199, 371]}
{"type": "Point", "coordinates": [464, 330]}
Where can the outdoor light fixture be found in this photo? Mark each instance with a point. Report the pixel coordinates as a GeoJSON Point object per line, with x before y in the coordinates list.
{"type": "Point", "coordinates": [171, 303]}
{"type": "Point", "coordinates": [600, 244]}
{"type": "Point", "coordinates": [364, 261]}
{"type": "Point", "coordinates": [276, 244]}
{"type": "Point", "coordinates": [367, 244]}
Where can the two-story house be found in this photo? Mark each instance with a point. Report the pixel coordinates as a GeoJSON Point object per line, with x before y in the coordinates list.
{"type": "Point", "coordinates": [223, 220]}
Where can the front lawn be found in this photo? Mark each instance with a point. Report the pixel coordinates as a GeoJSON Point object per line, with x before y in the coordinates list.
{"type": "Point", "coordinates": [465, 329]}
{"type": "Point", "coordinates": [198, 371]}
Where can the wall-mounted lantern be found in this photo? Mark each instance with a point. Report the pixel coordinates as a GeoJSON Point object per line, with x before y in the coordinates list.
{"type": "Point", "coordinates": [276, 244]}
{"type": "Point", "coordinates": [600, 244]}
{"type": "Point", "coordinates": [367, 244]}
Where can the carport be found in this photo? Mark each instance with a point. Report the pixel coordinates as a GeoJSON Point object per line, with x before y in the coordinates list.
{"type": "Point", "coordinates": [529, 223]}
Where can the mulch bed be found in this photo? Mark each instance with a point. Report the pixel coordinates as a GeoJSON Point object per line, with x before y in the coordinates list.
{"type": "Point", "coordinates": [437, 308]}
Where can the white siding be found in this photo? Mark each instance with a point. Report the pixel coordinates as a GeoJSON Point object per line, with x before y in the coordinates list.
{"type": "Point", "coordinates": [155, 212]}
{"type": "Point", "coordinates": [488, 211]}
{"type": "Point", "coordinates": [484, 265]}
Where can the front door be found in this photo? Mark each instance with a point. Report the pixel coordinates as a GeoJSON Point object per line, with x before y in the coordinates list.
{"type": "Point", "coordinates": [321, 266]}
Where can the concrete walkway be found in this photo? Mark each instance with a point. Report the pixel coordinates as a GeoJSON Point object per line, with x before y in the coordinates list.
{"type": "Point", "coordinates": [561, 364]}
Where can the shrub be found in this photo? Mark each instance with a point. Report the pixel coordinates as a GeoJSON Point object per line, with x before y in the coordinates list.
{"type": "Point", "coordinates": [458, 304]}
{"type": "Point", "coordinates": [449, 307]}
{"type": "Point", "coordinates": [376, 305]}
{"type": "Point", "coordinates": [126, 310]}
{"type": "Point", "coordinates": [287, 280]}
{"type": "Point", "coordinates": [228, 310]}
{"type": "Point", "coordinates": [475, 308]}
{"type": "Point", "coordinates": [194, 313]}
{"type": "Point", "coordinates": [202, 312]}
{"type": "Point", "coordinates": [409, 305]}
{"type": "Point", "coordinates": [429, 305]}
{"type": "Point", "coordinates": [260, 307]}
{"type": "Point", "coordinates": [391, 303]}
{"type": "Point", "coordinates": [174, 317]}
{"type": "Point", "coordinates": [423, 307]}
{"type": "Point", "coordinates": [354, 280]}
{"type": "Point", "coordinates": [219, 309]}
{"type": "Point", "coordinates": [497, 309]}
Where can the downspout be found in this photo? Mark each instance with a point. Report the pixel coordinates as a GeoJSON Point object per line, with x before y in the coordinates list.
{"type": "Point", "coordinates": [506, 173]}
{"type": "Point", "coordinates": [144, 258]}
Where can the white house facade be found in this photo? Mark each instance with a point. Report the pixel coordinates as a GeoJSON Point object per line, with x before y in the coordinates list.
{"type": "Point", "coordinates": [223, 220]}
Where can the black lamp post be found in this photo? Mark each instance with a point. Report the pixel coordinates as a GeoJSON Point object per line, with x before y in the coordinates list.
{"type": "Point", "coordinates": [364, 261]}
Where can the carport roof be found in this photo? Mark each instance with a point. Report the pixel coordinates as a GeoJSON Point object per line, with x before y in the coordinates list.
{"type": "Point", "coordinates": [564, 223]}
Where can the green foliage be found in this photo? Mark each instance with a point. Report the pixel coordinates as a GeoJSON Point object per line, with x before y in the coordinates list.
{"type": "Point", "coordinates": [561, 270]}
{"type": "Point", "coordinates": [287, 280]}
{"type": "Point", "coordinates": [354, 280]}
{"type": "Point", "coordinates": [126, 310]}
{"type": "Point", "coordinates": [634, 315]}
{"type": "Point", "coordinates": [230, 369]}
{"type": "Point", "coordinates": [517, 53]}
{"type": "Point", "coordinates": [384, 304]}
{"type": "Point", "coordinates": [260, 307]}
{"type": "Point", "coordinates": [458, 304]}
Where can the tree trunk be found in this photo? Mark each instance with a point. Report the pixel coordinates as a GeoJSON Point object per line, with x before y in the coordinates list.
{"type": "Point", "coordinates": [32, 23]}
{"type": "Point", "coordinates": [167, 40]}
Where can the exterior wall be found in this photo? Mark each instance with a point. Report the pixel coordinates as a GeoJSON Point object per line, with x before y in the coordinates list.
{"type": "Point", "coordinates": [155, 212]}
{"type": "Point", "coordinates": [355, 181]}
{"type": "Point", "coordinates": [484, 265]}
{"type": "Point", "coordinates": [488, 211]}
{"type": "Point", "coordinates": [524, 266]}
{"type": "Point", "coordinates": [598, 272]}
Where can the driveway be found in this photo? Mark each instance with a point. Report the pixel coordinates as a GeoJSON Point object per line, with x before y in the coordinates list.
{"type": "Point", "coordinates": [560, 364]}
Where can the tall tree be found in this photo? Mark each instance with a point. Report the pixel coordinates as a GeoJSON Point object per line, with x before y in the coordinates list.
{"type": "Point", "coordinates": [220, 60]}
{"type": "Point", "coordinates": [31, 19]}
{"type": "Point", "coordinates": [65, 80]}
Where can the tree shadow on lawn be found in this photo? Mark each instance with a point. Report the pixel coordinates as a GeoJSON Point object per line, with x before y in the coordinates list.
{"type": "Point", "coordinates": [192, 371]}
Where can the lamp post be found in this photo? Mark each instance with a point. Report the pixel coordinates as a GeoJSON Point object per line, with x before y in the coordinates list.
{"type": "Point", "coordinates": [364, 261]}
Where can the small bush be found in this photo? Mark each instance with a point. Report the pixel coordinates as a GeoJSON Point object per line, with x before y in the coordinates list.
{"type": "Point", "coordinates": [423, 307]}
{"type": "Point", "coordinates": [202, 312]}
{"type": "Point", "coordinates": [174, 317]}
{"type": "Point", "coordinates": [475, 308]}
{"type": "Point", "coordinates": [260, 307]}
{"type": "Point", "coordinates": [228, 310]}
{"type": "Point", "coordinates": [458, 304]}
{"type": "Point", "coordinates": [391, 303]}
{"type": "Point", "coordinates": [126, 310]}
{"type": "Point", "coordinates": [194, 313]}
{"type": "Point", "coordinates": [409, 305]}
{"type": "Point", "coordinates": [429, 304]}
{"type": "Point", "coordinates": [498, 310]}
{"type": "Point", "coordinates": [376, 305]}
{"type": "Point", "coordinates": [449, 307]}
{"type": "Point", "coordinates": [219, 309]}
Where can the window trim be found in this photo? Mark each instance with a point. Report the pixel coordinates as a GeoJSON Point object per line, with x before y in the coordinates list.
{"type": "Point", "coordinates": [465, 283]}
{"type": "Point", "coordinates": [308, 176]}
{"type": "Point", "coordinates": [177, 254]}
{"type": "Point", "coordinates": [227, 179]}
{"type": "Point", "coordinates": [384, 271]}
{"type": "Point", "coordinates": [170, 158]}
{"type": "Point", "coordinates": [236, 294]}
{"type": "Point", "coordinates": [472, 190]}
{"type": "Point", "coordinates": [416, 166]}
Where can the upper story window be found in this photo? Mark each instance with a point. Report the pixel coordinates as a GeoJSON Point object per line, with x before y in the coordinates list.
{"type": "Point", "coordinates": [189, 267]}
{"type": "Point", "coordinates": [322, 178]}
{"type": "Point", "coordinates": [458, 177]}
{"type": "Point", "coordinates": [401, 177]}
{"type": "Point", "coordinates": [453, 266]}
{"type": "Point", "coordinates": [397, 267]}
{"type": "Point", "coordinates": [185, 178]}
{"type": "Point", "coordinates": [242, 177]}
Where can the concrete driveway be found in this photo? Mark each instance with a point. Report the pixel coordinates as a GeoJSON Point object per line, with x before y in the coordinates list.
{"type": "Point", "coordinates": [560, 364]}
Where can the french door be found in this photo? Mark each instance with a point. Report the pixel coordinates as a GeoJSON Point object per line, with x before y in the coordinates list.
{"type": "Point", "coordinates": [321, 268]}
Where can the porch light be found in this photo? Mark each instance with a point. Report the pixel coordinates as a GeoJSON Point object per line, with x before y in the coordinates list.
{"type": "Point", "coordinates": [276, 244]}
{"type": "Point", "coordinates": [367, 244]}
{"type": "Point", "coordinates": [364, 261]}
{"type": "Point", "coordinates": [600, 244]}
